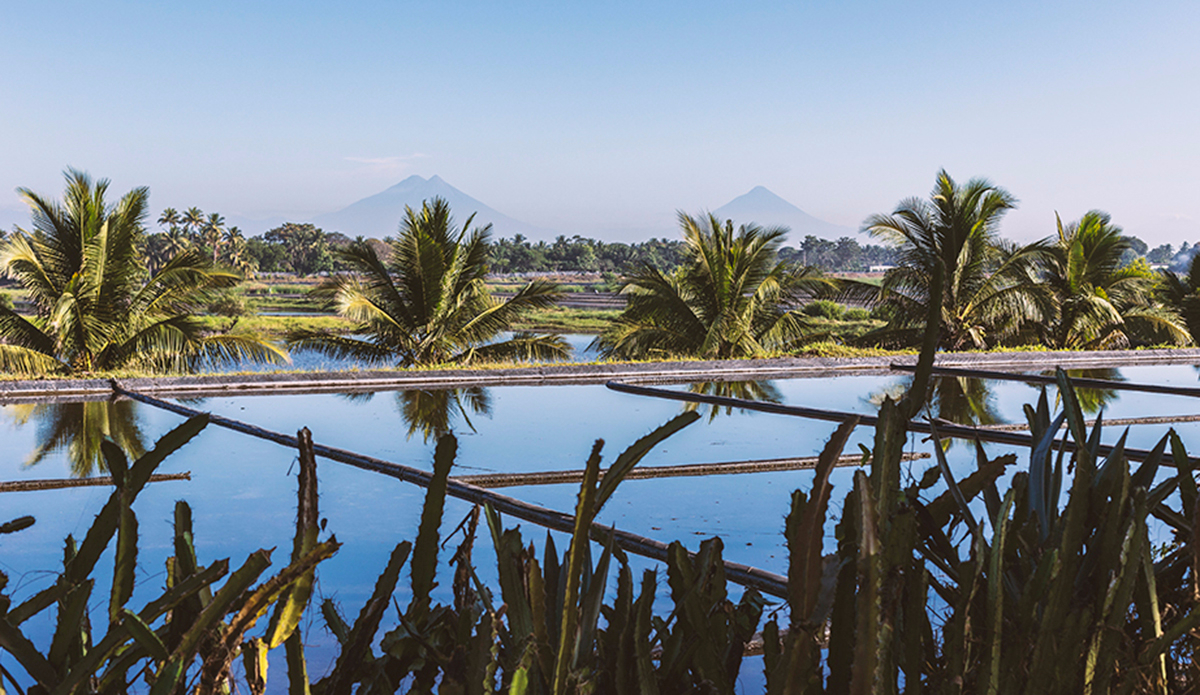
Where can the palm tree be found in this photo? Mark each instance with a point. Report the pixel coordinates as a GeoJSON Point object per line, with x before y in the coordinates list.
{"type": "Point", "coordinates": [212, 233]}
{"type": "Point", "coordinates": [96, 309]}
{"type": "Point", "coordinates": [728, 299]}
{"type": "Point", "coordinates": [233, 252]}
{"type": "Point", "coordinates": [192, 221]}
{"type": "Point", "coordinates": [1101, 302]}
{"type": "Point", "coordinates": [429, 305]}
{"type": "Point", "coordinates": [948, 248]}
{"type": "Point", "coordinates": [169, 219]}
{"type": "Point", "coordinates": [1182, 295]}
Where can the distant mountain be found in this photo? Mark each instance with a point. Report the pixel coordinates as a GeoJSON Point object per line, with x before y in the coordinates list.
{"type": "Point", "coordinates": [766, 209]}
{"type": "Point", "coordinates": [379, 215]}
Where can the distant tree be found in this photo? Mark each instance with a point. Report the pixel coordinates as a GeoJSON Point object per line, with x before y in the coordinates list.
{"type": "Point", "coordinates": [1161, 254]}
{"type": "Point", "coordinates": [1136, 249]}
{"type": "Point", "coordinates": [1182, 295]}
{"type": "Point", "coordinates": [267, 257]}
{"type": "Point", "coordinates": [212, 232]}
{"type": "Point", "coordinates": [192, 221]}
{"type": "Point", "coordinates": [305, 245]}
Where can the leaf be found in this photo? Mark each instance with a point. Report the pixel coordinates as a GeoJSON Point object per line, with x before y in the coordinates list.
{"type": "Point", "coordinates": [72, 615]}
{"type": "Point", "coordinates": [1041, 486]}
{"type": "Point", "coordinates": [356, 649]}
{"type": "Point", "coordinates": [118, 465]}
{"type": "Point", "coordinates": [424, 557]}
{"type": "Point", "coordinates": [963, 507]}
{"type": "Point", "coordinates": [144, 635]}
{"type": "Point", "coordinates": [125, 562]}
{"type": "Point", "coordinates": [290, 608]}
{"type": "Point", "coordinates": [19, 524]}
{"type": "Point", "coordinates": [805, 531]}
{"type": "Point", "coordinates": [635, 453]}
{"type": "Point", "coordinates": [14, 642]}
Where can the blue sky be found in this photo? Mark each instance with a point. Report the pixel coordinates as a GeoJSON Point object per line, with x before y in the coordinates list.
{"type": "Point", "coordinates": [604, 118]}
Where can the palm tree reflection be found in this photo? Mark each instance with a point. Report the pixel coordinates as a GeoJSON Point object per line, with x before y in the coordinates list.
{"type": "Point", "coordinates": [78, 428]}
{"type": "Point", "coordinates": [433, 413]}
{"type": "Point", "coordinates": [764, 391]}
{"type": "Point", "coordinates": [960, 400]}
{"type": "Point", "coordinates": [1092, 400]}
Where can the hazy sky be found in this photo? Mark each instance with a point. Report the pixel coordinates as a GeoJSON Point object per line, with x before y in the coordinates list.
{"type": "Point", "coordinates": [605, 117]}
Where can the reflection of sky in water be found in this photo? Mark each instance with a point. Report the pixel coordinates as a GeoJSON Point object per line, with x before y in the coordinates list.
{"type": "Point", "coordinates": [243, 489]}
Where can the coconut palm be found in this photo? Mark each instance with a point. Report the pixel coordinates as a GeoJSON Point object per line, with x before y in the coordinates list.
{"type": "Point", "coordinates": [169, 219]}
{"type": "Point", "coordinates": [233, 252]}
{"type": "Point", "coordinates": [1182, 295]}
{"type": "Point", "coordinates": [1102, 302]}
{"type": "Point", "coordinates": [96, 307]}
{"type": "Point", "coordinates": [212, 233]}
{"type": "Point", "coordinates": [949, 248]}
{"type": "Point", "coordinates": [192, 221]}
{"type": "Point", "coordinates": [429, 304]}
{"type": "Point", "coordinates": [730, 298]}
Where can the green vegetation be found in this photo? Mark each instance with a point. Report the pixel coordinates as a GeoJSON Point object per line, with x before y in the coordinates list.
{"type": "Point", "coordinates": [1182, 295]}
{"type": "Point", "coordinates": [824, 308]}
{"type": "Point", "coordinates": [279, 327]}
{"type": "Point", "coordinates": [1080, 290]}
{"type": "Point", "coordinates": [96, 307]}
{"type": "Point", "coordinates": [727, 300]}
{"type": "Point", "coordinates": [949, 248]}
{"type": "Point", "coordinates": [429, 305]}
{"type": "Point", "coordinates": [1102, 300]}
{"type": "Point", "coordinates": [566, 320]}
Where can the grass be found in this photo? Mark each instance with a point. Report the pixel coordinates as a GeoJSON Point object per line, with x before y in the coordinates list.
{"type": "Point", "coordinates": [564, 320]}
{"type": "Point", "coordinates": [278, 326]}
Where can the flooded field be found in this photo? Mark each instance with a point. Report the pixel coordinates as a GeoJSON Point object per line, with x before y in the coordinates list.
{"type": "Point", "coordinates": [243, 490]}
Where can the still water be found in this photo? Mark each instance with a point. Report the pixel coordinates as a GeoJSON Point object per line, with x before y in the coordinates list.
{"type": "Point", "coordinates": [242, 490]}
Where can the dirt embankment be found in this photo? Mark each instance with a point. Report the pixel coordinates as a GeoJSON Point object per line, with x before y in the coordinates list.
{"type": "Point", "coordinates": [42, 390]}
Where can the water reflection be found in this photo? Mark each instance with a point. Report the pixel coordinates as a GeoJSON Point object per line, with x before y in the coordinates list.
{"type": "Point", "coordinates": [960, 400]}
{"type": "Point", "coordinates": [764, 391]}
{"type": "Point", "coordinates": [78, 428]}
{"type": "Point", "coordinates": [1093, 401]}
{"type": "Point", "coordinates": [433, 413]}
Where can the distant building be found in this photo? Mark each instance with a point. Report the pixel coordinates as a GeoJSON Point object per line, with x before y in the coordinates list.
{"type": "Point", "coordinates": [880, 268]}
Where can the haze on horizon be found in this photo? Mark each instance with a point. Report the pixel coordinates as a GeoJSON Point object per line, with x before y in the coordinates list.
{"type": "Point", "coordinates": [603, 120]}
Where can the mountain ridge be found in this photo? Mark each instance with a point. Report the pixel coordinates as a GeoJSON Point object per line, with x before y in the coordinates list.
{"type": "Point", "coordinates": [765, 208]}
{"type": "Point", "coordinates": [379, 215]}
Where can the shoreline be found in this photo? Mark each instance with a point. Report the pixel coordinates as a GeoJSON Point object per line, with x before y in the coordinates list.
{"type": "Point", "coordinates": [48, 390]}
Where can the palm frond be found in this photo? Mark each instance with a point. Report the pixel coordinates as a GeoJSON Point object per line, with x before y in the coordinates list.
{"type": "Point", "coordinates": [341, 347]}
{"type": "Point", "coordinates": [523, 347]}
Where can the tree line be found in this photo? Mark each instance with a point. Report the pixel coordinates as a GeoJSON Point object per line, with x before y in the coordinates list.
{"type": "Point", "coordinates": [304, 249]}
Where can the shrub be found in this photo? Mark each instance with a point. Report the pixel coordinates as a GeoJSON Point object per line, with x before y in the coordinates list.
{"type": "Point", "coordinates": [229, 305]}
{"type": "Point", "coordinates": [824, 308]}
{"type": "Point", "coordinates": [856, 314]}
